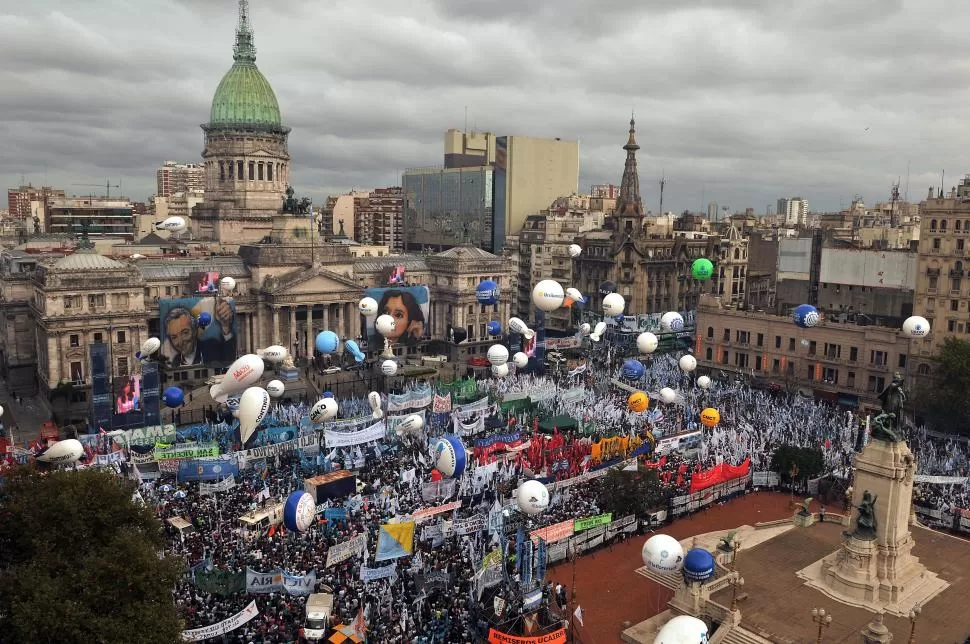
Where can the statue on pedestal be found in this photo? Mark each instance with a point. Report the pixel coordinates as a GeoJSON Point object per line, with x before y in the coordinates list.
{"type": "Point", "coordinates": [865, 523]}
{"type": "Point", "coordinates": [806, 505]}
{"type": "Point", "coordinates": [887, 425]}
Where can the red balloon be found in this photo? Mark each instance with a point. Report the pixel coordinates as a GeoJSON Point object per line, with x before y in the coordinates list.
{"type": "Point", "coordinates": [435, 475]}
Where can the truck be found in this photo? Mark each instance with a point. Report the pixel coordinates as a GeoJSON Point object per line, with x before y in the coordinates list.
{"type": "Point", "coordinates": [319, 608]}
{"type": "Point", "coordinates": [334, 485]}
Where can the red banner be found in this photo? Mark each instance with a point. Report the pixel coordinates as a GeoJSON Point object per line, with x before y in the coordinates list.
{"type": "Point", "coordinates": [719, 474]}
{"type": "Point", "coordinates": [556, 637]}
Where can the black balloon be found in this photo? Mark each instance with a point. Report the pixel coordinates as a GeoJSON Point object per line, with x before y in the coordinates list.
{"type": "Point", "coordinates": [607, 287]}
{"type": "Point", "coordinates": [458, 334]}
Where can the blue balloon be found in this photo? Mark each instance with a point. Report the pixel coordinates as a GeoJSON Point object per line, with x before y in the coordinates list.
{"type": "Point", "coordinates": [328, 394]}
{"type": "Point", "coordinates": [173, 397]}
{"type": "Point", "coordinates": [232, 404]}
{"type": "Point", "coordinates": [354, 350]}
{"type": "Point", "coordinates": [632, 370]}
{"type": "Point", "coordinates": [494, 328]}
{"type": "Point", "coordinates": [299, 512]}
{"type": "Point", "coordinates": [619, 318]}
{"type": "Point", "coordinates": [327, 342]}
{"type": "Point", "coordinates": [449, 455]}
{"type": "Point", "coordinates": [805, 316]}
{"type": "Point", "coordinates": [205, 319]}
{"type": "Point", "coordinates": [698, 565]}
{"type": "Point", "coordinates": [487, 292]}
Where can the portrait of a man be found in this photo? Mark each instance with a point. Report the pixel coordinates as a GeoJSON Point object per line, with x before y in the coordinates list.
{"type": "Point", "coordinates": [186, 343]}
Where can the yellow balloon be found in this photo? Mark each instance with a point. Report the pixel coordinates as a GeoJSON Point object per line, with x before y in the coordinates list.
{"type": "Point", "coordinates": [637, 402]}
{"type": "Point", "coordinates": [710, 417]}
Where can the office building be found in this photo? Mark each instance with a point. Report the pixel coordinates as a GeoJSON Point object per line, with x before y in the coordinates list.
{"type": "Point", "coordinates": [793, 211]}
{"type": "Point", "coordinates": [99, 216]}
{"type": "Point", "coordinates": [27, 202]}
{"type": "Point", "coordinates": [175, 177]}
{"type": "Point", "coordinates": [448, 207]}
{"type": "Point", "coordinates": [469, 149]}
{"type": "Point", "coordinates": [712, 211]}
{"type": "Point", "coordinates": [379, 218]}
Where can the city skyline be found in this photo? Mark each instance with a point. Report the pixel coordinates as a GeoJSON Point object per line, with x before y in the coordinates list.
{"type": "Point", "coordinates": [738, 106]}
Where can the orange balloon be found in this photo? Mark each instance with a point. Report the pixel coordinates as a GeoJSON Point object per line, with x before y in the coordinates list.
{"type": "Point", "coordinates": [710, 417]}
{"type": "Point", "coordinates": [638, 402]}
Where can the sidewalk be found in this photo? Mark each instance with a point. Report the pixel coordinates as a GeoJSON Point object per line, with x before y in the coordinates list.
{"type": "Point", "coordinates": [22, 420]}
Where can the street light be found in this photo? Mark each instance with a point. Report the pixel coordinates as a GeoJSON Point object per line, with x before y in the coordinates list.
{"type": "Point", "coordinates": [738, 581]}
{"type": "Point", "coordinates": [913, 616]}
{"type": "Point", "coordinates": [734, 555]}
{"type": "Point", "coordinates": [822, 619]}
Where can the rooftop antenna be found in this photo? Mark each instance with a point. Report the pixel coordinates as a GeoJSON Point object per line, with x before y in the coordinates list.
{"type": "Point", "coordinates": [893, 217]}
{"type": "Point", "coordinates": [663, 182]}
{"type": "Point", "coordinates": [466, 119]}
{"type": "Point", "coordinates": [942, 179]}
{"type": "Point", "coordinates": [906, 194]}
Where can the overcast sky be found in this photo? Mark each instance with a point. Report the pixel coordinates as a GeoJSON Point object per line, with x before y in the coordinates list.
{"type": "Point", "coordinates": [737, 101]}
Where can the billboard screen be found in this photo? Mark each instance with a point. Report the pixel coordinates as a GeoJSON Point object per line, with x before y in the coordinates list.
{"type": "Point", "coordinates": [410, 306]}
{"type": "Point", "coordinates": [393, 275]}
{"type": "Point", "coordinates": [127, 394]}
{"type": "Point", "coordinates": [204, 282]}
{"type": "Point", "coordinates": [185, 343]}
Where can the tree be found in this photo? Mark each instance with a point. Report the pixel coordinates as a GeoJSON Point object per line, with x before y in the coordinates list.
{"type": "Point", "coordinates": [79, 562]}
{"type": "Point", "coordinates": [797, 463]}
{"type": "Point", "coordinates": [624, 493]}
{"type": "Point", "coordinates": [944, 399]}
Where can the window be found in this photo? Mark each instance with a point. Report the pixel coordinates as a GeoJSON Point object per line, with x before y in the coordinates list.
{"type": "Point", "coordinates": [902, 361]}
{"type": "Point", "coordinates": [936, 243]}
{"type": "Point", "coordinates": [933, 282]}
{"type": "Point", "coordinates": [812, 347]}
{"type": "Point", "coordinates": [830, 375]}
{"type": "Point", "coordinates": [877, 358]}
{"type": "Point", "coordinates": [757, 363]}
{"type": "Point", "coordinates": [850, 381]}
{"type": "Point", "coordinates": [960, 242]}
{"type": "Point", "coordinates": [791, 344]}
{"type": "Point", "coordinates": [77, 373]}
{"type": "Point", "coordinates": [481, 331]}
{"type": "Point", "coordinates": [122, 369]}
{"type": "Point", "coordinates": [810, 372]}
{"type": "Point", "coordinates": [269, 171]}
{"type": "Point", "coordinates": [121, 337]}
{"type": "Point", "coordinates": [741, 360]}
{"type": "Point", "coordinates": [777, 341]}
{"type": "Point", "coordinates": [96, 300]}
{"type": "Point", "coordinates": [232, 171]}
{"type": "Point", "coordinates": [710, 332]}
{"type": "Point", "coordinates": [709, 355]}
{"type": "Point", "coordinates": [471, 331]}
{"type": "Point", "coordinates": [222, 171]}
{"type": "Point", "coordinates": [724, 357]}
{"type": "Point", "coordinates": [72, 301]}
{"type": "Point", "coordinates": [943, 225]}
{"type": "Point", "coordinates": [471, 309]}
{"type": "Point", "coordinates": [252, 170]}
{"type": "Point", "coordinates": [259, 171]}
{"type": "Point", "coordinates": [923, 370]}
{"type": "Point", "coordinates": [951, 325]}
{"type": "Point", "coordinates": [727, 335]}
{"type": "Point", "coordinates": [761, 339]}
{"type": "Point", "coordinates": [775, 366]}
{"type": "Point", "coordinates": [119, 300]}
{"type": "Point", "coordinates": [239, 170]}
{"type": "Point", "coordinates": [75, 342]}
{"type": "Point", "coordinates": [98, 338]}
{"type": "Point", "coordinates": [790, 369]}
{"type": "Point", "coordinates": [933, 224]}
{"type": "Point", "coordinates": [854, 354]}
{"type": "Point", "coordinates": [833, 351]}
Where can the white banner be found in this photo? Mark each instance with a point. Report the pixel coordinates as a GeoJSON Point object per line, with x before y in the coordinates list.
{"type": "Point", "coordinates": [470, 525]}
{"type": "Point", "coordinates": [466, 411]}
{"type": "Point", "coordinates": [346, 439]}
{"type": "Point", "coordinates": [300, 584]}
{"type": "Point", "coordinates": [224, 485]}
{"type": "Point", "coordinates": [108, 459]}
{"type": "Point", "coordinates": [147, 435]}
{"type": "Point", "coordinates": [223, 627]}
{"type": "Point", "coordinates": [346, 550]}
{"type": "Point", "coordinates": [373, 574]}
{"type": "Point", "coordinates": [940, 480]}
{"type": "Point", "coordinates": [142, 459]}
{"type": "Point", "coordinates": [464, 429]}
{"type": "Point", "coordinates": [394, 421]}
{"type": "Point", "coordinates": [279, 448]}
{"type": "Point", "coordinates": [263, 582]}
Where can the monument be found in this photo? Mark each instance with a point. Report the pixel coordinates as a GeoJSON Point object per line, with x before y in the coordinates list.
{"type": "Point", "coordinates": [874, 568]}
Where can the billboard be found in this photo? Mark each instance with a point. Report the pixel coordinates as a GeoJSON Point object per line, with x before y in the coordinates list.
{"type": "Point", "coordinates": [127, 394]}
{"type": "Point", "coordinates": [410, 306]}
{"type": "Point", "coordinates": [185, 343]}
{"type": "Point", "coordinates": [393, 275]}
{"type": "Point", "coordinates": [207, 282]}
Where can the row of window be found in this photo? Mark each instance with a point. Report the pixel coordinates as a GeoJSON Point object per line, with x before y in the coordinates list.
{"type": "Point", "coordinates": [96, 301]}
{"type": "Point", "coordinates": [829, 375]}
{"type": "Point", "coordinates": [831, 351]}
{"type": "Point", "coordinates": [258, 170]}
{"type": "Point", "coordinates": [97, 337]}
{"type": "Point", "coordinates": [958, 225]}
{"type": "Point", "coordinates": [77, 369]}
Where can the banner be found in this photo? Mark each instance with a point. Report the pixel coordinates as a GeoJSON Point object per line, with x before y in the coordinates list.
{"type": "Point", "coordinates": [424, 513]}
{"type": "Point", "coordinates": [147, 435]}
{"type": "Point", "coordinates": [554, 532]}
{"type": "Point", "coordinates": [442, 404]}
{"type": "Point", "coordinates": [300, 584]}
{"type": "Point", "coordinates": [438, 490]}
{"type": "Point", "coordinates": [487, 577]}
{"type": "Point", "coordinates": [268, 451]}
{"type": "Point", "coordinates": [224, 485]}
{"type": "Point", "coordinates": [542, 558]}
{"type": "Point", "coordinates": [263, 582]}
{"type": "Point", "coordinates": [108, 459]}
{"type": "Point", "coordinates": [373, 574]}
{"type": "Point", "coordinates": [555, 637]}
{"type": "Point", "coordinates": [214, 469]}
{"type": "Point", "coordinates": [141, 459]}
{"type": "Point", "coordinates": [346, 550]}
{"type": "Point", "coordinates": [626, 524]}
{"type": "Point", "coordinates": [221, 583]}
{"type": "Point", "coordinates": [471, 409]}
{"type": "Point", "coordinates": [375, 432]}
{"type": "Point", "coordinates": [187, 450]}
{"type": "Point", "coordinates": [418, 398]}
{"type": "Point", "coordinates": [432, 579]}
{"type": "Point", "coordinates": [466, 429]}
{"type": "Point", "coordinates": [470, 525]}
{"type": "Point", "coordinates": [525, 573]}
{"type": "Point", "coordinates": [223, 627]}
{"type": "Point", "coordinates": [394, 421]}
{"type": "Point", "coordinates": [591, 522]}
{"type": "Point", "coordinates": [185, 344]}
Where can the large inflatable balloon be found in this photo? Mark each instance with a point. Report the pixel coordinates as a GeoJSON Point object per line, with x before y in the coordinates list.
{"type": "Point", "coordinates": [227, 283]}
{"type": "Point", "coordinates": [916, 327]}
{"type": "Point", "coordinates": [497, 354]}
{"type": "Point", "coordinates": [487, 292]}
{"type": "Point", "coordinates": [172, 225]}
{"type": "Point", "coordinates": [710, 417]}
{"type": "Point", "coordinates": [528, 334]}
{"type": "Point", "coordinates": [584, 329]}
{"type": "Point", "coordinates": [632, 370]}
{"type": "Point", "coordinates": [204, 319]}
{"type": "Point", "coordinates": [500, 370]}
{"type": "Point", "coordinates": [376, 404]}
{"type": "Point", "coordinates": [245, 371]}
{"type": "Point", "coordinates": [411, 425]}
{"type": "Point", "coordinates": [672, 321]}
{"type": "Point", "coordinates": [458, 334]}
{"type": "Point", "coordinates": [638, 402]}
{"type": "Point", "coordinates": [607, 287]}
{"type": "Point", "coordinates": [687, 363]}
{"type": "Point", "coordinates": [668, 395]}
{"type": "Point", "coordinates": [173, 397]}
{"type": "Point", "coordinates": [647, 342]}
{"type": "Point", "coordinates": [327, 342]}
{"type": "Point", "coordinates": [517, 326]}
{"type": "Point", "coordinates": [702, 269]}
{"type": "Point", "coordinates": [150, 346]}
{"type": "Point", "coordinates": [65, 451]}
{"type": "Point", "coordinates": [805, 316]}
{"type": "Point", "coordinates": [1, 411]}
{"type": "Point", "coordinates": [351, 347]}
{"type": "Point", "coordinates": [662, 553]}
{"type": "Point", "coordinates": [367, 307]}
{"type": "Point", "coordinates": [613, 305]}
{"type": "Point", "coordinates": [573, 296]}
{"type": "Point", "coordinates": [385, 325]}
{"type": "Point", "coordinates": [575, 250]}
{"type": "Point", "coordinates": [698, 565]}
{"type": "Point", "coordinates": [323, 410]}
{"type": "Point", "coordinates": [299, 512]}
{"type": "Point", "coordinates": [683, 629]}
{"type": "Point", "coordinates": [253, 406]}
{"type": "Point", "coordinates": [521, 360]}
{"type": "Point", "coordinates": [532, 497]}
{"type": "Point", "coordinates": [449, 456]}
{"type": "Point", "coordinates": [704, 382]}
{"type": "Point", "coordinates": [548, 295]}
{"type": "Point", "coordinates": [597, 331]}
{"type": "Point", "coordinates": [274, 354]}
{"type": "Point", "coordinates": [494, 327]}
{"type": "Point", "coordinates": [275, 388]}
{"type": "Point", "coordinates": [388, 367]}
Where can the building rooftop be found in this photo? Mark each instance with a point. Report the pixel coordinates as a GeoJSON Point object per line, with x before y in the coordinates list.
{"type": "Point", "coordinates": [180, 268]}
{"type": "Point", "coordinates": [467, 252]}
{"type": "Point", "coordinates": [409, 262]}
{"type": "Point", "coordinates": [86, 262]}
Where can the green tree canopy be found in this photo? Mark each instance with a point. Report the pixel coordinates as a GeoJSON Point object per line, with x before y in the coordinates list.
{"type": "Point", "coordinates": [624, 493]}
{"type": "Point", "coordinates": [943, 400]}
{"type": "Point", "coordinates": [807, 462]}
{"type": "Point", "coordinates": [79, 562]}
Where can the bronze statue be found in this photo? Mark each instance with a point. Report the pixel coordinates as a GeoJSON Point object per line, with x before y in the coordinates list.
{"type": "Point", "coordinates": [289, 201]}
{"type": "Point", "coordinates": [883, 429]}
{"type": "Point", "coordinates": [806, 504]}
{"type": "Point", "coordinates": [865, 523]}
{"type": "Point", "coordinates": [726, 542]}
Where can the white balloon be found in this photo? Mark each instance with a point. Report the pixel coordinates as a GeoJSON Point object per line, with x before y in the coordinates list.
{"type": "Point", "coordinates": [662, 553]}
{"type": "Point", "coordinates": [275, 388]}
{"type": "Point", "coordinates": [520, 360]}
{"type": "Point", "coordinates": [367, 307]}
{"type": "Point", "coordinates": [528, 334]}
{"type": "Point", "coordinates": [613, 305]}
{"type": "Point", "coordinates": [532, 497]}
{"type": "Point", "coordinates": [575, 250]}
{"type": "Point", "coordinates": [683, 629]}
{"type": "Point", "coordinates": [548, 295]}
{"type": "Point", "coordinates": [500, 370]}
{"type": "Point", "coordinates": [703, 382]}
{"type": "Point", "coordinates": [323, 410]}
{"type": "Point", "coordinates": [172, 224]}
{"type": "Point", "coordinates": [410, 425]}
{"type": "Point", "coordinates": [672, 321]}
{"type": "Point", "coordinates": [150, 346]}
{"type": "Point", "coordinates": [597, 331]}
{"type": "Point", "coordinates": [376, 404]}
{"type": "Point", "coordinates": [668, 395]}
{"type": "Point", "coordinates": [498, 354]}
{"type": "Point", "coordinates": [573, 295]}
{"type": "Point", "coordinates": [1, 411]}
{"type": "Point", "coordinates": [916, 327]}
{"type": "Point", "coordinates": [516, 325]}
{"type": "Point", "coordinates": [584, 328]}
{"type": "Point", "coordinates": [388, 367]}
{"type": "Point", "coordinates": [245, 371]}
{"type": "Point", "coordinates": [647, 342]}
{"type": "Point", "coordinates": [273, 354]}
{"type": "Point", "coordinates": [253, 405]}
{"type": "Point", "coordinates": [687, 363]}
{"type": "Point", "coordinates": [227, 283]}
{"type": "Point", "coordinates": [65, 451]}
{"type": "Point", "coordinates": [385, 325]}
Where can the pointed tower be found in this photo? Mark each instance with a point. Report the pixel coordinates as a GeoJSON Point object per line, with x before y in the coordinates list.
{"type": "Point", "coordinates": [629, 206]}
{"type": "Point", "coordinates": [246, 157]}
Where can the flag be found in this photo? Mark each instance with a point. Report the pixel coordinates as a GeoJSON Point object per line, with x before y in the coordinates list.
{"type": "Point", "coordinates": [395, 540]}
{"type": "Point", "coordinates": [578, 614]}
{"type": "Point", "coordinates": [360, 625]}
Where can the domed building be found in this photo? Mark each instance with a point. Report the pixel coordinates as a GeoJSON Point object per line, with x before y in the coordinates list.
{"type": "Point", "coordinates": [246, 158]}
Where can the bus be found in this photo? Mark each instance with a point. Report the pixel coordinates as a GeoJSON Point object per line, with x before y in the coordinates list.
{"type": "Point", "coordinates": [679, 442]}
{"type": "Point", "coordinates": [260, 519]}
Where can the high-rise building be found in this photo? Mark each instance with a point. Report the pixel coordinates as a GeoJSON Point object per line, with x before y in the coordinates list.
{"type": "Point", "coordinates": [19, 200]}
{"type": "Point", "coordinates": [793, 211]}
{"type": "Point", "coordinates": [98, 216]}
{"type": "Point", "coordinates": [379, 218]}
{"type": "Point", "coordinates": [175, 177]}
{"type": "Point", "coordinates": [339, 214]}
{"type": "Point", "coordinates": [469, 149]}
{"type": "Point", "coordinates": [448, 207]}
{"type": "Point", "coordinates": [604, 191]}
{"type": "Point", "coordinates": [712, 211]}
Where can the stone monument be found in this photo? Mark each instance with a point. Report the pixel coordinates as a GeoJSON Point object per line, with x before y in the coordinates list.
{"type": "Point", "coordinates": [874, 568]}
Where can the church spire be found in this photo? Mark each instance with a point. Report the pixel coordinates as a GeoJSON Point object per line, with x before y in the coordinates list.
{"type": "Point", "coordinates": [244, 51]}
{"type": "Point", "coordinates": [629, 202]}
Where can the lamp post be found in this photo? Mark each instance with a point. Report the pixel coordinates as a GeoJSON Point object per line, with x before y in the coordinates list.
{"type": "Point", "coordinates": [913, 616]}
{"type": "Point", "coordinates": [820, 617]}
{"type": "Point", "coordinates": [738, 581]}
{"type": "Point", "coordinates": [734, 553]}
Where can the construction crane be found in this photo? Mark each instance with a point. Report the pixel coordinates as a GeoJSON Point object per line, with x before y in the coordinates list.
{"type": "Point", "coordinates": [107, 187]}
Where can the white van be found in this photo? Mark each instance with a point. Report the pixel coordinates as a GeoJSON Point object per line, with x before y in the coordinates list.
{"type": "Point", "coordinates": [319, 608]}
{"type": "Point", "coordinates": [433, 360]}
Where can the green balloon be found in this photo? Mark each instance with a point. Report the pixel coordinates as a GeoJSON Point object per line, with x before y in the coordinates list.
{"type": "Point", "coordinates": [702, 269]}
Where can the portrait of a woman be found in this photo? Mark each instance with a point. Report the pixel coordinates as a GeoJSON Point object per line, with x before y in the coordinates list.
{"type": "Point", "coordinates": [407, 313]}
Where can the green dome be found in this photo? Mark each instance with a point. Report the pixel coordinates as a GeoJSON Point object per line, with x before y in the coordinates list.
{"type": "Point", "coordinates": [244, 98]}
